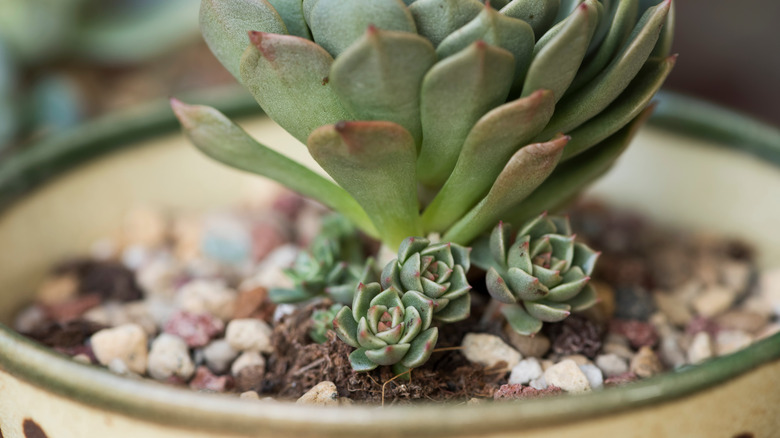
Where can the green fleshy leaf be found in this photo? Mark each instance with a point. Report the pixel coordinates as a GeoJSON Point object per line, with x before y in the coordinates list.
{"type": "Point", "coordinates": [458, 309]}
{"type": "Point", "coordinates": [423, 304]}
{"type": "Point", "coordinates": [291, 12]}
{"type": "Point", "coordinates": [288, 295]}
{"type": "Point", "coordinates": [526, 170]}
{"type": "Point", "coordinates": [584, 300]}
{"type": "Point", "coordinates": [519, 254]}
{"type": "Point", "coordinates": [397, 314]}
{"type": "Point", "coordinates": [563, 249]}
{"type": "Point", "coordinates": [663, 47]}
{"type": "Point", "coordinates": [626, 107]}
{"type": "Point", "coordinates": [539, 14]}
{"type": "Point", "coordinates": [481, 255]}
{"type": "Point", "coordinates": [375, 163]}
{"type": "Point", "coordinates": [411, 245]}
{"type": "Point", "coordinates": [346, 327]}
{"type": "Point", "coordinates": [520, 321]}
{"type": "Point", "coordinates": [391, 276]}
{"type": "Point", "coordinates": [218, 137]}
{"type": "Point", "coordinates": [488, 147]}
{"type": "Point", "coordinates": [498, 288]}
{"type": "Point", "coordinates": [578, 107]}
{"type": "Point", "coordinates": [388, 355]}
{"type": "Point", "coordinates": [363, 296]}
{"type": "Point", "coordinates": [365, 338]}
{"type": "Point", "coordinates": [547, 311]}
{"type": "Point", "coordinates": [549, 277]}
{"type": "Point", "coordinates": [585, 258]}
{"type": "Point", "coordinates": [537, 227]}
{"type": "Point", "coordinates": [360, 361]}
{"type": "Point", "coordinates": [224, 26]}
{"type": "Point", "coordinates": [509, 33]}
{"type": "Point", "coordinates": [573, 176]}
{"type": "Point", "coordinates": [459, 285]}
{"type": "Point", "coordinates": [389, 298]}
{"type": "Point", "coordinates": [562, 224]}
{"type": "Point", "coordinates": [525, 286]}
{"type": "Point", "coordinates": [540, 246]}
{"type": "Point", "coordinates": [436, 19]}
{"type": "Point", "coordinates": [287, 76]}
{"type": "Point", "coordinates": [456, 93]}
{"type": "Point", "coordinates": [308, 5]}
{"type": "Point", "coordinates": [461, 255]}
{"type": "Point", "coordinates": [619, 31]}
{"type": "Point", "coordinates": [336, 24]}
{"type": "Point", "coordinates": [421, 348]}
{"type": "Point", "coordinates": [499, 243]}
{"type": "Point", "coordinates": [392, 335]}
{"type": "Point", "coordinates": [432, 289]}
{"type": "Point", "coordinates": [380, 76]}
{"type": "Point", "coordinates": [558, 56]}
{"type": "Point", "coordinates": [413, 325]}
{"type": "Point", "coordinates": [410, 273]}
{"type": "Point", "coordinates": [373, 316]}
{"type": "Point", "coordinates": [567, 291]}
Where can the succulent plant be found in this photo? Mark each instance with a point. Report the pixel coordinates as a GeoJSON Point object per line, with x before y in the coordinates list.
{"type": "Point", "coordinates": [322, 323]}
{"type": "Point", "coordinates": [322, 271]}
{"type": "Point", "coordinates": [437, 270]}
{"type": "Point", "coordinates": [541, 275]}
{"type": "Point", "coordinates": [387, 328]}
{"type": "Point", "coordinates": [437, 115]}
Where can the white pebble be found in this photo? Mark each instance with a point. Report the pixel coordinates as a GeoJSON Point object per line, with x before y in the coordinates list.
{"type": "Point", "coordinates": [593, 374]}
{"type": "Point", "coordinates": [283, 310]}
{"type": "Point", "coordinates": [218, 355]}
{"type": "Point", "coordinates": [700, 348]}
{"type": "Point", "coordinates": [126, 343]}
{"type": "Point", "coordinates": [769, 289]}
{"type": "Point", "coordinates": [489, 350]}
{"type": "Point", "coordinates": [612, 364]}
{"type": "Point", "coordinates": [714, 301]}
{"type": "Point", "coordinates": [730, 341]}
{"type": "Point", "coordinates": [539, 383]}
{"type": "Point", "coordinates": [168, 357]}
{"type": "Point", "coordinates": [118, 367]}
{"type": "Point", "coordinates": [567, 376]}
{"type": "Point", "coordinates": [525, 371]}
{"type": "Point", "coordinates": [158, 277]}
{"type": "Point", "coordinates": [249, 395]}
{"type": "Point", "coordinates": [29, 319]}
{"type": "Point", "coordinates": [270, 273]}
{"type": "Point", "coordinates": [249, 335]}
{"type": "Point", "coordinates": [248, 359]}
{"type": "Point", "coordinates": [322, 394]}
{"type": "Point", "coordinates": [208, 296]}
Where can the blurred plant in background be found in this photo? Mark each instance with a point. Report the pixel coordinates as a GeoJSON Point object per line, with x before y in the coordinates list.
{"type": "Point", "coordinates": [58, 58]}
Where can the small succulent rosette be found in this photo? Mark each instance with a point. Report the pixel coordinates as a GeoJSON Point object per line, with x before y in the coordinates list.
{"type": "Point", "coordinates": [322, 272]}
{"type": "Point", "coordinates": [541, 276]}
{"type": "Point", "coordinates": [322, 323]}
{"type": "Point", "coordinates": [387, 328]}
{"type": "Point", "coordinates": [438, 271]}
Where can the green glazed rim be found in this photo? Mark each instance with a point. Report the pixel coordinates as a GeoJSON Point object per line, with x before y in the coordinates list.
{"type": "Point", "coordinates": [158, 403]}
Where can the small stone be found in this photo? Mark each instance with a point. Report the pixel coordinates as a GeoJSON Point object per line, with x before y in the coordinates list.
{"type": "Point", "coordinates": [646, 363]}
{"type": "Point", "coordinates": [344, 401]}
{"type": "Point", "coordinates": [529, 346]}
{"type": "Point", "coordinates": [120, 368]}
{"type": "Point", "coordinates": [670, 351]}
{"type": "Point", "coordinates": [475, 401]}
{"type": "Point", "coordinates": [575, 334]}
{"type": "Point", "coordinates": [322, 394]}
{"type": "Point", "coordinates": [187, 232]}
{"type": "Point", "coordinates": [701, 324]}
{"type": "Point", "coordinates": [170, 356]}
{"type": "Point", "coordinates": [578, 359]}
{"type": "Point", "coordinates": [82, 358]}
{"type": "Point", "coordinates": [111, 280]}
{"type": "Point", "coordinates": [489, 350]}
{"type": "Point", "coordinates": [567, 376]}
{"type": "Point", "coordinates": [768, 331]}
{"type": "Point", "coordinates": [525, 371]}
{"type": "Point", "coordinates": [250, 303]}
{"type": "Point", "coordinates": [675, 308]}
{"type": "Point", "coordinates": [126, 343]}
{"type": "Point", "coordinates": [700, 348]}
{"type": "Point", "coordinates": [621, 379]}
{"type": "Point", "coordinates": [73, 308]}
{"type": "Point", "coordinates": [546, 363]}
{"type": "Point", "coordinates": [619, 350]}
{"type": "Point", "coordinates": [249, 395]}
{"type": "Point", "coordinates": [57, 289]}
{"type": "Point", "coordinates": [249, 335]}
{"type": "Point", "coordinates": [29, 319]}
{"type": "Point", "coordinates": [520, 392]}
{"type": "Point", "coordinates": [714, 301]}
{"type": "Point", "coordinates": [539, 383]}
{"type": "Point", "coordinates": [611, 364]}
{"type": "Point", "coordinates": [735, 275]}
{"type": "Point", "coordinates": [730, 341]}
{"type": "Point", "coordinates": [226, 239]}
{"type": "Point", "coordinates": [137, 312]}
{"type": "Point", "coordinates": [744, 320]}
{"type": "Point", "coordinates": [248, 371]}
{"type": "Point", "coordinates": [639, 333]}
{"type": "Point", "coordinates": [205, 380]}
{"type": "Point", "coordinates": [218, 355]}
{"type": "Point", "coordinates": [758, 304]}
{"type": "Point", "coordinates": [633, 302]}
{"type": "Point", "coordinates": [159, 277]}
{"type": "Point", "coordinates": [593, 374]}
{"type": "Point", "coordinates": [283, 310]}
{"type": "Point", "coordinates": [145, 227]}
{"type": "Point", "coordinates": [247, 359]}
{"type": "Point", "coordinates": [196, 329]}
{"type": "Point", "coordinates": [208, 296]}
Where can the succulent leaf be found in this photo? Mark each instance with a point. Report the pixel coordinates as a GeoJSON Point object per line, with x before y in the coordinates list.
{"type": "Point", "coordinates": [287, 75]}
{"type": "Point", "coordinates": [375, 163]}
{"type": "Point", "coordinates": [291, 12]}
{"type": "Point", "coordinates": [421, 348]}
{"type": "Point", "coordinates": [539, 14]}
{"type": "Point", "coordinates": [380, 76]}
{"type": "Point", "coordinates": [346, 327]}
{"type": "Point", "coordinates": [360, 361]}
{"type": "Point", "coordinates": [224, 26]}
{"type": "Point", "coordinates": [436, 19]}
{"type": "Point", "coordinates": [456, 93]}
{"type": "Point", "coordinates": [336, 24]}
{"type": "Point", "coordinates": [322, 323]}
{"type": "Point", "coordinates": [520, 321]}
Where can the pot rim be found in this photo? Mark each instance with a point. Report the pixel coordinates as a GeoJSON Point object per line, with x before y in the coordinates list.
{"type": "Point", "coordinates": [155, 402]}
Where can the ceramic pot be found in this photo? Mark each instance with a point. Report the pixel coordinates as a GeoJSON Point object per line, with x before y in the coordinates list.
{"type": "Point", "coordinates": [58, 196]}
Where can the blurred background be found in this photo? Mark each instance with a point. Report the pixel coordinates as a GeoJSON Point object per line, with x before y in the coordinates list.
{"type": "Point", "coordinates": [66, 61]}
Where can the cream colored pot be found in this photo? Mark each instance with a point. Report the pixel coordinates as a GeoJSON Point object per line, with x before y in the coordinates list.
{"type": "Point", "coordinates": [81, 193]}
